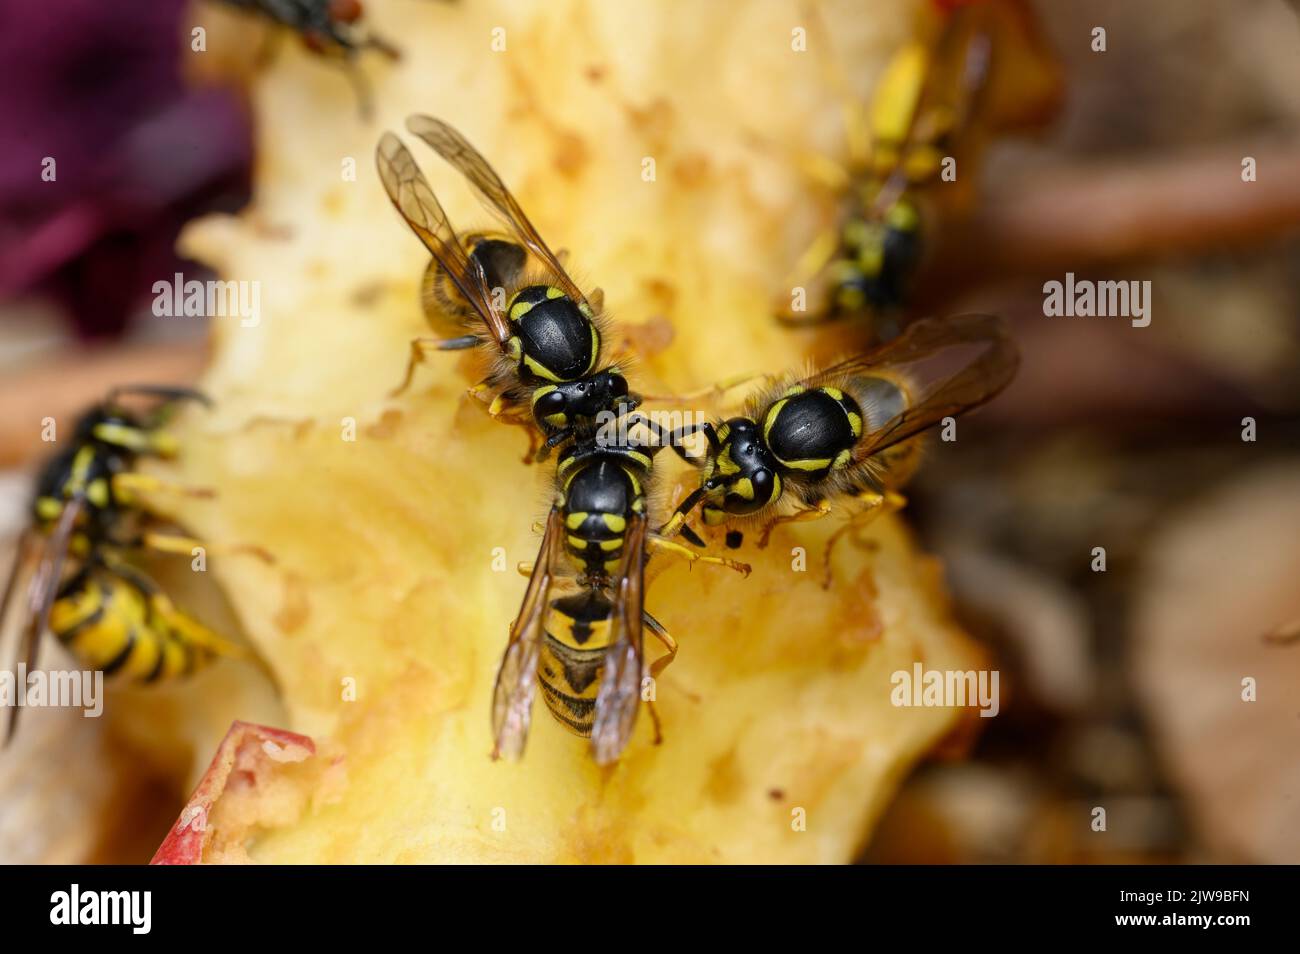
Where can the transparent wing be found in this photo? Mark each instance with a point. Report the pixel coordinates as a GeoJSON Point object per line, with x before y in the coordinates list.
{"type": "Point", "coordinates": [414, 200]}
{"type": "Point", "coordinates": [952, 365]}
{"type": "Point", "coordinates": [512, 698]}
{"type": "Point", "coordinates": [957, 77]}
{"type": "Point", "coordinates": [41, 591]}
{"type": "Point", "coordinates": [619, 697]}
{"type": "Point", "coordinates": [453, 147]}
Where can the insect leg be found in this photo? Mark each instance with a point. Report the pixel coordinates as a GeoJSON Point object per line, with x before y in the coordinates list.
{"type": "Point", "coordinates": [128, 487]}
{"type": "Point", "coordinates": [715, 391]}
{"type": "Point", "coordinates": [678, 519]}
{"type": "Point", "coordinates": [675, 438]}
{"type": "Point", "coordinates": [657, 630]}
{"type": "Point", "coordinates": [185, 546]}
{"type": "Point", "coordinates": [818, 510]}
{"type": "Point", "coordinates": [875, 504]}
{"type": "Point", "coordinates": [811, 263]}
{"type": "Point", "coordinates": [666, 546]}
{"type": "Point", "coordinates": [421, 348]}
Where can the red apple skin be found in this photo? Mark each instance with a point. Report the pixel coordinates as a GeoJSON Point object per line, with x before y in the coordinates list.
{"type": "Point", "coordinates": [262, 744]}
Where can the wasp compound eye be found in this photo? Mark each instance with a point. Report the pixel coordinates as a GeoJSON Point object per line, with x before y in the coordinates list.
{"type": "Point", "coordinates": [552, 402]}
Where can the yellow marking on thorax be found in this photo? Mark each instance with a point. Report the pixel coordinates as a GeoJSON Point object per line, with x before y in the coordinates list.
{"type": "Point", "coordinates": [540, 370]}
{"type": "Point", "coordinates": [770, 419]}
{"type": "Point", "coordinates": [595, 348]}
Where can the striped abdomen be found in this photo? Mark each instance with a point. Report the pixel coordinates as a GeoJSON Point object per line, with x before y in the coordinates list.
{"type": "Point", "coordinates": [568, 671]}
{"type": "Point", "coordinates": [109, 624]}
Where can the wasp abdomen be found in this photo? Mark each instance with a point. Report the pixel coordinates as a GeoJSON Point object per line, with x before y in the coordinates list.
{"type": "Point", "coordinates": [572, 654]}
{"type": "Point", "coordinates": [109, 625]}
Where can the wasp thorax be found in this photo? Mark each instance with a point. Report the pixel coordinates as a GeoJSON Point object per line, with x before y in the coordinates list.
{"type": "Point", "coordinates": [557, 341]}
{"type": "Point", "coordinates": [812, 431]}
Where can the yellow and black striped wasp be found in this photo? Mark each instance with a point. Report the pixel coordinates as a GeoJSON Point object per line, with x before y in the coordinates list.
{"type": "Point", "coordinates": [586, 648]}
{"type": "Point", "coordinates": [89, 514]}
{"type": "Point", "coordinates": [848, 432]}
{"type": "Point", "coordinates": [329, 28]}
{"type": "Point", "coordinates": [920, 116]}
{"type": "Point", "coordinates": [543, 335]}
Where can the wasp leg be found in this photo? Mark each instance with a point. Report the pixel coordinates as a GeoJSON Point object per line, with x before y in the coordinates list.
{"type": "Point", "coordinates": [675, 438]}
{"type": "Point", "coordinates": [507, 410]}
{"type": "Point", "coordinates": [267, 49]}
{"type": "Point", "coordinates": [811, 263]}
{"type": "Point", "coordinates": [129, 485]}
{"type": "Point", "coordinates": [663, 545]}
{"type": "Point", "coordinates": [818, 510]}
{"type": "Point", "coordinates": [715, 391]}
{"type": "Point", "coordinates": [422, 348]}
{"type": "Point", "coordinates": [657, 630]}
{"type": "Point", "coordinates": [185, 546]}
{"type": "Point", "coordinates": [875, 505]}
{"type": "Point", "coordinates": [361, 86]}
{"type": "Point", "coordinates": [678, 520]}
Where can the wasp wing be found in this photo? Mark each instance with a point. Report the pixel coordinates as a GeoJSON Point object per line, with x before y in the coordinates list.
{"type": "Point", "coordinates": [516, 684]}
{"type": "Point", "coordinates": [956, 77]}
{"type": "Point", "coordinates": [456, 149]}
{"type": "Point", "coordinates": [41, 590]}
{"type": "Point", "coordinates": [951, 365]}
{"type": "Point", "coordinates": [619, 696]}
{"type": "Point", "coordinates": [414, 200]}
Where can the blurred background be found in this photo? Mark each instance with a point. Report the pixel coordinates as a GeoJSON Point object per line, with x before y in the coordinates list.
{"type": "Point", "coordinates": [1121, 689]}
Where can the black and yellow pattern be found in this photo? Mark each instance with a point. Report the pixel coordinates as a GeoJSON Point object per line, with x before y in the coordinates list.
{"type": "Point", "coordinates": [577, 634]}
{"type": "Point", "coordinates": [88, 513]}
{"type": "Point", "coordinates": [119, 623]}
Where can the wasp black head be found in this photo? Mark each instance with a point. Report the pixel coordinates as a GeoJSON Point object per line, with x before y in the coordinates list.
{"type": "Point", "coordinates": [571, 403]}
{"type": "Point", "coordinates": [744, 476]}
{"type": "Point", "coordinates": [556, 338]}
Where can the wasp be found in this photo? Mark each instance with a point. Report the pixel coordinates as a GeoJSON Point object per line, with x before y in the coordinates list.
{"type": "Point", "coordinates": [586, 648]}
{"type": "Point", "coordinates": [328, 28]}
{"type": "Point", "coordinates": [849, 432]}
{"type": "Point", "coordinates": [918, 116]}
{"type": "Point", "coordinates": [543, 335]}
{"type": "Point", "coordinates": [88, 514]}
